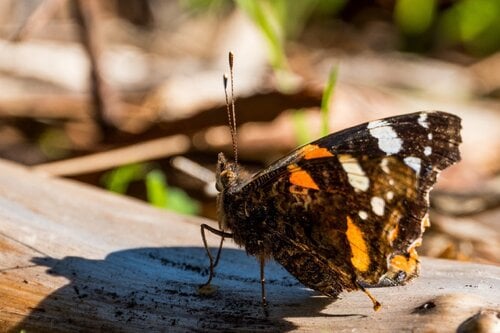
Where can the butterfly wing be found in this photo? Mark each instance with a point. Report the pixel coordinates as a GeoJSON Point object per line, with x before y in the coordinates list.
{"type": "Point", "coordinates": [352, 206]}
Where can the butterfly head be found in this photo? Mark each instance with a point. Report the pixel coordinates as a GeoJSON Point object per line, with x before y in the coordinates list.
{"type": "Point", "coordinates": [226, 175]}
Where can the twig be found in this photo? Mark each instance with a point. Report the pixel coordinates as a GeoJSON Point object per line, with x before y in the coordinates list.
{"type": "Point", "coordinates": [48, 106]}
{"type": "Point", "coordinates": [105, 99]}
{"type": "Point", "coordinates": [113, 158]}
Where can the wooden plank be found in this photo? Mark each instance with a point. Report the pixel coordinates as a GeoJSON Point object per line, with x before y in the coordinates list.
{"type": "Point", "coordinates": [73, 258]}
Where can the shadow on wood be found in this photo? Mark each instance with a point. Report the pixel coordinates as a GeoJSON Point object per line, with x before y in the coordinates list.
{"type": "Point", "coordinates": [156, 289]}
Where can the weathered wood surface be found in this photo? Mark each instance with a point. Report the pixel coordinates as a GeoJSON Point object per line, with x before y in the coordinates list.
{"type": "Point", "coordinates": [73, 258]}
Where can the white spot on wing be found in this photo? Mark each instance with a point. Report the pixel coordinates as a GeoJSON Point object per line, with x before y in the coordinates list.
{"type": "Point", "coordinates": [427, 151]}
{"type": "Point", "coordinates": [389, 195]}
{"type": "Point", "coordinates": [355, 175]}
{"type": "Point", "coordinates": [359, 182]}
{"type": "Point", "coordinates": [413, 162]}
{"type": "Point", "coordinates": [363, 214]}
{"type": "Point", "coordinates": [384, 164]}
{"type": "Point", "coordinates": [422, 120]}
{"type": "Point", "coordinates": [429, 136]}
{"type": "Point", "coordinates": [377, 123]}
{"type": "Point", "coordinates": [388, 140]}
{"type": "Point", "coordinates": [378, 205]}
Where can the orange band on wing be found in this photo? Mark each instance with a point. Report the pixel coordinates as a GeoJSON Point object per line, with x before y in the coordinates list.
{"type": "Point", "coordinates": [300, 177]}
{"type": "Point", "coordinates": [409, 264]}
{"type": "Point", "coordinates": [314, 151]}
{"type": "Point", "coordinates": [359, 258]}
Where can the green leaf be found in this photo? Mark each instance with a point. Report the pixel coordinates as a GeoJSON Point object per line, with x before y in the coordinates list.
{"type": "Point", "coordinates": [325, 101]}
{"type": "Point", "coordinates": [118, 180]}
{"type": "Point", "coordinates": [476, 16]}
{"type": "Point", "coordinates": [415, 17]}
{"type": "Point", "coordinates": [54, 143]}
{"type": "Point", "coordinates": [159, 194]}
{"type": "Point", "coordinates": [281, 19]}
{"type": "Point", "coordinates": [156, 187]}
{"type": "Point", "coordinates": [162, 196]}
{"type": "Point", "coordinates": [474, 24]}
{"type": "Point", "coordinates": [269, 17]}
{"type": "Point", "coordinates": [180, 202]}
{"type": "Point", "coordinates": [204, 6]}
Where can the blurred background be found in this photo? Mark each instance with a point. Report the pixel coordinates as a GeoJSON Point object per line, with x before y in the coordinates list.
{"type": "Point", "coordinates": [128, 95]}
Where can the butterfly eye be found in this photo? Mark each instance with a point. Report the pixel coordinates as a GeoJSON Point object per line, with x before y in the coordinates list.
{"type": "Point", "coordinates": [218, 186]}
{"type": "Point", "coordinates": [221, 180]}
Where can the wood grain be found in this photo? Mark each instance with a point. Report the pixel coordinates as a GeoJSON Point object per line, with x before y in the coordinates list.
{"type": "Point", "coordinates": [74, 258]}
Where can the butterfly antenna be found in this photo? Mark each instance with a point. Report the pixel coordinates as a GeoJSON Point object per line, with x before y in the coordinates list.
{"type": "Point", "coordinates": [232, 113]}
{"type": "Point", "coordinates": [228, 107]}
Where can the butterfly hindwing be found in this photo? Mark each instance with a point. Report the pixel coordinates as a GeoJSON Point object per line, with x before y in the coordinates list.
{"type": "Point", "coordinates": [350, 207]}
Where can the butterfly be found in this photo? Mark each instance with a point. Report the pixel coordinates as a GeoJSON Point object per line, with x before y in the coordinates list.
{"type": "Point", "coordinates": [345, 211]}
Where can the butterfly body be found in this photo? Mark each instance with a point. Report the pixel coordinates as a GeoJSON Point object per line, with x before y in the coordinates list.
{"type": "Point", "coordinates": [347, 210]}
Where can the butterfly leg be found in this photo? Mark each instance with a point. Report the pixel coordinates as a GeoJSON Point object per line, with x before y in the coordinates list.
{"type": "Point", "coordinates": [263, 285]}
{"type": "Point", "coordinates": [213, 263]}
{"type": "Point", "coordinates": [376, 304]}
